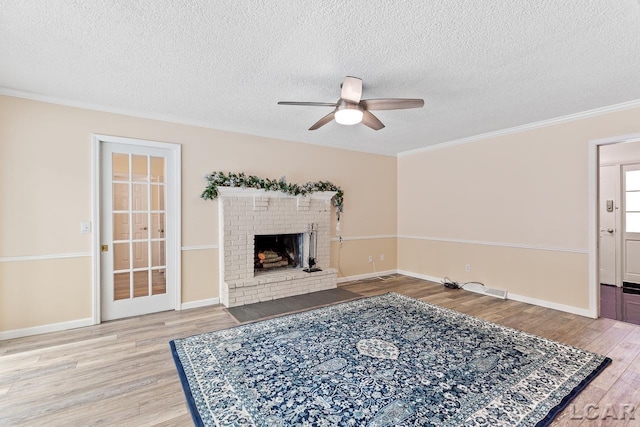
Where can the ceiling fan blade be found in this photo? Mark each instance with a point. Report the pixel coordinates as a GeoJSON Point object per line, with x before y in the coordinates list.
{"type": "Point", "coordinates": [372, 121]}
{"type": "Point", "coordinates": [391, 103]}
{"type": "Point", "coordinates": [323, 121]}
{"type": "Point", "coordinates": [309, 104]}
{"type": "Point", "coordinates": [351, 89]}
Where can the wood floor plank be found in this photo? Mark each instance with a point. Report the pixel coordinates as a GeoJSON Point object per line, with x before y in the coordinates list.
{"type": "Point", "coordinates": [573, 416]}
{"type": "Point", "coordinates": [12, 364]}
{"type": "Point", "coordinates": [583, 337]}
{"type": "Point", "coordinates": [122, 373]}
{"type": "Point", "coordinates": [621, 401]}
{"type": "Point", "coordinates": [47, 347]}
{"type": "Point", "coordinates": [184, 419]}
{"type": "Point", "coordinates": [635, 367]}
{"type": "Point", "coordinates": [115, 410]}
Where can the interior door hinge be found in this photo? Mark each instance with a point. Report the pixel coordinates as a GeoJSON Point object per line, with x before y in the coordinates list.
{"type": "Point", "coordinates": [105, 248]}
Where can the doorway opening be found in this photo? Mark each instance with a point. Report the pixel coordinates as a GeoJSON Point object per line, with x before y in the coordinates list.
{"type": "Point", "coordinates": [617, 225]}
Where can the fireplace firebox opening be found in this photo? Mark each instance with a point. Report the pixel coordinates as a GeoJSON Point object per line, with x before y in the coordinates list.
{"type": "Point", "coordinates": [277, 251]}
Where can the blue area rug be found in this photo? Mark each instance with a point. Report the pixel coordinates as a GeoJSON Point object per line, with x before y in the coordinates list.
{"type": "Point", "coordinates": [379, 361]}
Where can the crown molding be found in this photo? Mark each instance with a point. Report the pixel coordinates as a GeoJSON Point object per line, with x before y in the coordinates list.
{"type": "Point", "coordinates": [161, 117]}
{"type": "Point", "coordinates": [182, 121]}
{"type": "Point", "coordinates": [522, 128]}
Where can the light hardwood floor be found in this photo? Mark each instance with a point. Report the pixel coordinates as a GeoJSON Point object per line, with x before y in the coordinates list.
{"type": "Point", "coordinates": [122, 373]}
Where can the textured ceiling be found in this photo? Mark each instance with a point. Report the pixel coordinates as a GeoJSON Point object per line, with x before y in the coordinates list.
{"type": "Point", "coordinates": [480, 66]}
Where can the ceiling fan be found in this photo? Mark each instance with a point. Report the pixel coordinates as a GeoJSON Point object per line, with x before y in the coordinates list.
{"type": "Point", "coordinates": [350, 109]}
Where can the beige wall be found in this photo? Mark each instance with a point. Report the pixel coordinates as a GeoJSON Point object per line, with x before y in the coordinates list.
{"type": "Point", "coordinates": [514, 207]}
{"type": "Point", "coordinates": [351, 257]}
{"type": "Point", "coordinates": [45, 185]}
{"type": "Point", "coordinates": [484, 203]}
{"type": "Point", "coordinates": [41, 292]}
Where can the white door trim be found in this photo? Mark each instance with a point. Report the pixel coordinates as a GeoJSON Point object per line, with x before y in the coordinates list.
{"type": "Point", "coordinates": [608, 252]}
{"type": "Point", "coordinates": [592, 182]}
{"type": "Point", "coordinates": [97, 139]}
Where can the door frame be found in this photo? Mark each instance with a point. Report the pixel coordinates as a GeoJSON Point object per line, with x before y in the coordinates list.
{"type": "Point", "coordinates": [617, 213]}
{"type": "Point", "coordinates": [176, 222]}
{"type": "Point", "coordinates": [594, 226]}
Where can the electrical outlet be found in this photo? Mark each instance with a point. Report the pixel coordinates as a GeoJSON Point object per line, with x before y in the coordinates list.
{"type": "Point", "coordinates": [381, 257]}
{"type": "Point", "coordinates": [370, 258]}
{"type": "Point", "coordinates": [467, 268]}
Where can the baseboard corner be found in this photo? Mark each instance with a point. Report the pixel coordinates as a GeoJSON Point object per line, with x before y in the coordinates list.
{"type": "Point", "coordinates": [515, 297]}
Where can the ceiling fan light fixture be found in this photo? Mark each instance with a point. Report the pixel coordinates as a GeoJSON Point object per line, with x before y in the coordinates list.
{"type": "Point", "coordinates": [351, 109]}
{"type": "Point", "coordinates": [348, 114]}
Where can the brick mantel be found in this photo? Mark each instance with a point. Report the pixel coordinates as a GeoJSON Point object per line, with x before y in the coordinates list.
{"type": "Point", "coordinates": [252, 192]}
{"type": "Point", "coordinates": [246, 212]}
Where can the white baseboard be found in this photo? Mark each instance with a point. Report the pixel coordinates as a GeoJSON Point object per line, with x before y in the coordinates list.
{"type": "Point", "coordinates": [366, 276]}
{"type": "Point", "coordinates": [44, 329]}
{"type": "Point", "coordinates": [553, 305]}
{"type": "Point", "coordinates": [420, 276]}
{"type": "Point", "coordinates": [534, 301]}
{"type": "Point", "coordinates": [199, 303]}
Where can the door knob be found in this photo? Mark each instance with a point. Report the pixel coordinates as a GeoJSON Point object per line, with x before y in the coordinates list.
{"type": "Point", "coordinates": [609, 230]}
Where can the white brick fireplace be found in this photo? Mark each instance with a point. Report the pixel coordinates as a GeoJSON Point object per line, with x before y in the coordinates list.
{"type": "Point", "coordinates": [245, 213]}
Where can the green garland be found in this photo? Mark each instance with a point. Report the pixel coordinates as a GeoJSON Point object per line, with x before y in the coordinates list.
{"type": "Point", "coordinates": [220, 179]}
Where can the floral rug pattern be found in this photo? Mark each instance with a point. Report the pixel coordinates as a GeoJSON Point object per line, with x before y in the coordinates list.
{"type": "Point", "coordinates": [380, 361]}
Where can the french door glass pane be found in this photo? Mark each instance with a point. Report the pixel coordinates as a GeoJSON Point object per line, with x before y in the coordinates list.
{"type": "Point", "coordinates": [632, 181]}
{"type": "Point", "coordinates": [140, 284]}
{"type": "Point", "coordinates": [140, 225]}
{"type": "Point", "coordinates": [632, 202]}
{"type": "Point", "coordinates": [120, 226]}
{"type": "Point", "coordinates": [157, 197]}
{"type": "Point", "coordinates": [121, 256]}
{"type": "Point", "coordinates": [140, 171]}
{"type": "Point", "coordinates": [121, 287]}
{"type": "Point", "coordinates": [120, 166]}
{"type": "Point", "coordinates": [157, 254]}
{"type": "Point", "coordinates": [632, 222]}
{"type": "Point", "coordinates": [157, 169]}
{"type": "Point", "coordinates": [157, 227]}
{"type": "Point", "coordinates": [120, 197]}
{"type": "Point", "coordinates": [140, 200]}
{"type": "Point", "coordinates": [140, 254]}
{"type": "Point", "coordinates": [159, 284]}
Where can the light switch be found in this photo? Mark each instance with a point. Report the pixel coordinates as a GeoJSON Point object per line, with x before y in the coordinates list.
{"type": "Point", "coordinates": [85, 227]}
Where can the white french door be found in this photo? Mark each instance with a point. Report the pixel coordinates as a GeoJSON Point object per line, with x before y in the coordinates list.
{"type": "Point", "coordinates": [138, 232]}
